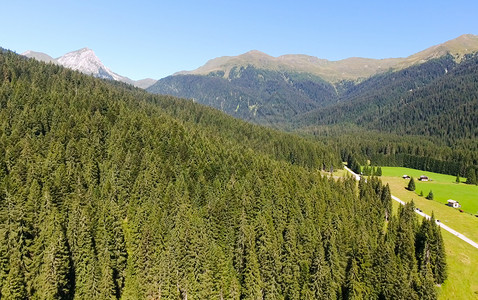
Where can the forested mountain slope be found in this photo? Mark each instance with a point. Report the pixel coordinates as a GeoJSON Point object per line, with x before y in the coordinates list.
{"type": "Point", "coordinates": [437, 99]}
{"type": "Point", "coordinates": [423, 117]}
{"type": "Point", "coordinates": [107, 192]}
{"type": "Point", "coordinates": [278, 90]}
{"type": "Point", "coordinates": [257, 95]}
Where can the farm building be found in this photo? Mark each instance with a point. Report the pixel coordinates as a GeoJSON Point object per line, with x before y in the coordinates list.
{"type": "Point", "coordinates": [423, 178]}
{"type": "Point", "coordinates": [453, 203]}
{"type": "Point", "coordinates": [406, 177]}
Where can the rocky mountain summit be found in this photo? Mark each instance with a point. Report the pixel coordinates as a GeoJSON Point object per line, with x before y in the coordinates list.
{"type": "Point", "coordinates": [86, 61]}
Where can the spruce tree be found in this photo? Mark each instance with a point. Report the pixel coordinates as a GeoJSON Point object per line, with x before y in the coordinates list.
{"type": "Point", "coordinates": [439, 264]}
{"type": "Point", "coordinates": [411, 185]}
{"type": "Point", "coordinates": [471, 176]}
{"type": "Point", "coordinates": [426, 287]}
{"type": "Point", "coordinates": [15, 285]}
{"type": "Point", "coordinates": [430, 195]}
{"type": "Point", "coordinates": [54, 280]}
{"type": "Point", "coordinates": [386, 198]}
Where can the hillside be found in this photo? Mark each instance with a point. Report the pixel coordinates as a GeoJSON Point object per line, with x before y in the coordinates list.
{"type": "Point", "coordinates": [331, 71]}
{"type": "Point", "coordinates": [274, 90]}
{"type": "Point", "coordinates": [436, 98]}
{"type": "Point", "coordinates": [257, 95]}
{"type": "Point", "coordinates": [108, 192]}
{"type": "Point", "coordinates": [422, 117]}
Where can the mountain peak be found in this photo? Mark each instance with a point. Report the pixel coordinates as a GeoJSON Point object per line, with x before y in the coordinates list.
{"type": "Point", "coordinates": [256, 53]}
{"type": "Point", "coordinates": [85, 61]}
{"type": "Point", "coordinates": [467, 36]}
{"type": "Point", "coordinates": [457, 47]}
{"type": "Point", "coordinates": [39, 56]}
{"type": "Point", "coordinates": [85, 49]}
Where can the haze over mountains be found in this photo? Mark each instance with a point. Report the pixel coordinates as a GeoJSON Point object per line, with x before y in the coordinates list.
{"type": "Point", "coordinates": [86, 61]}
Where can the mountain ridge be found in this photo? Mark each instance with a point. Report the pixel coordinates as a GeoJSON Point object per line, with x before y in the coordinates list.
{"type": "Point", "coordinates": [86, 61]}
{"type": "Point", "coordinates": [352, 68]}
{"type": "Point", "coordinates": [257, 87]}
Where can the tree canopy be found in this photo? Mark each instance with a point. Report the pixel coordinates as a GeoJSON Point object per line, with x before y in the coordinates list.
{"type": "Point", "coordinates": [108, 192]}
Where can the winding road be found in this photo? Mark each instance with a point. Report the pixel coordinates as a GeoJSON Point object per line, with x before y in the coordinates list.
{"type": "Point", "coordinates": [452, 231]}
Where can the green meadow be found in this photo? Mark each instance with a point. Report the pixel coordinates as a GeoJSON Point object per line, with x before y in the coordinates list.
{"type": "Point", "coordinates": [462, 282]}
{"type": "Point", "coordinates": [444, 187]}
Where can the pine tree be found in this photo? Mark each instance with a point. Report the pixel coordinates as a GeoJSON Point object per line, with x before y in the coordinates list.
{"type": "Point", "coordinates": [290, 268]}
{"type": "Point", "coordinates": [471, 176]}
{"type": "Point", "coordinates": [53, 256]}
{"type": "Point", "coordinates": [457, 180]}
{"type": "Point", "coordinates": [15, 285]}
{"type": "Point", "coordinates": [426, 287]}
{"type": "Point", "coordinates": [430, 195]}
{"type": "Point", "coordinates": [386, 198]}
{"type": "Point", "coordinates": [319, 279]}
{"type": "Point", "coordinates": [366, 170]}
{"type": "Point", "coordinates": [379, 171]}
{"type": "Point", "coordinates": [405, 241]}
{"type": "Point", "coordinates": [438, 262]}
{"type": "Point", "coordinates": [353, 284]}
{"type": "Point", "coordinates": [253, 284]}
{"type": "Point", "coordinates": [411, 185]}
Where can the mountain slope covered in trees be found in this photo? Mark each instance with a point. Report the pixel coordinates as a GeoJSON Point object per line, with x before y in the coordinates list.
{"type": "Point", "coordinates": [257, 95]}
{"type": "Point", "coordinates": [423, 117]}
{"type": "Point", "coordinates": [108, 192]}
{"type": "Point", "coordinates": [436, 99]}
{"type": "Point", "coordinates": [278, 91]}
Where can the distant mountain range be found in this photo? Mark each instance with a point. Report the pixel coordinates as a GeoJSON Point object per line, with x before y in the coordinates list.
{"type": "Point", "coordinates": [275, 90]}
{"type": "Point", "coordinates": [353, 68]}
{"type": "Point", "coordinates": [85, 61]}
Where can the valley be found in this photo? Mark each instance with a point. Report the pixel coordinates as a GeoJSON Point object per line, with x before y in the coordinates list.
{"type": "Point", "coordinates": [215, 183]}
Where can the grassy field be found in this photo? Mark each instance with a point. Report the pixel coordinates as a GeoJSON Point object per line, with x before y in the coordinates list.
{"type": "Point", "coordinates": [462, 258]}
{"type": "Point", "coordinates": [443, 186]}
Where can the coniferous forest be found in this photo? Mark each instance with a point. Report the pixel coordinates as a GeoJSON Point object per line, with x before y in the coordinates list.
{"type": "Point", "coordinates": [108, 192]}
{"type": "Point", "coordinates": [424, 115]}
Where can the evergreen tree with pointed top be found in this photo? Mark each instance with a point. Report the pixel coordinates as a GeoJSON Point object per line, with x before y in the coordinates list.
{"type": "Point", "coordinates": [14, 286]}
{"type": "Point", "coordinates": [411, 185]}
{"type": "Point", "coordinates": [471, 176]}
{"type": "Point", "coordinates": [426, 286]}
{"type": "Point", "coordinates": [430, 195]}
{"type": "Point", "coordinates": [438, 262]}
{"type": "Point", "coordinates": [386, 198]}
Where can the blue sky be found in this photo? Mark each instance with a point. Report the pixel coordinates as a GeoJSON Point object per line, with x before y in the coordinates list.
{"type": "Point", "coordinates": [154, 39]}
